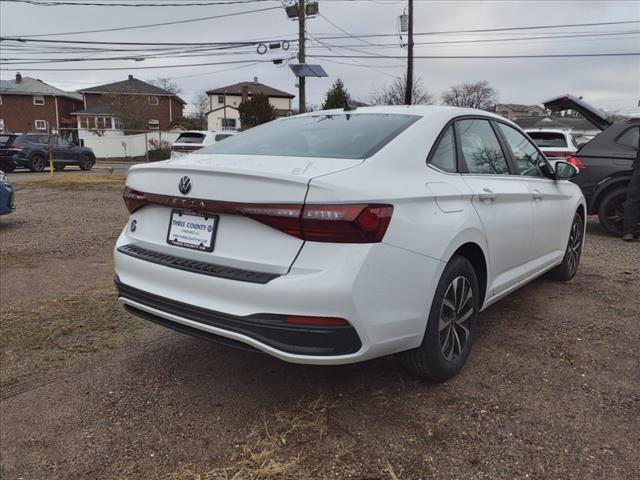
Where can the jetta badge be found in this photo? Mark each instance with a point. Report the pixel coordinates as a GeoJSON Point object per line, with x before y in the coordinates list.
{"type": "Point", "coordinates": [185, 185]}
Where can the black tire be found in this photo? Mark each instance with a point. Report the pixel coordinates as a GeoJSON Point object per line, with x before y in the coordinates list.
{"type": "Point", "coordinates": [571, 261]}
{"type": "Point", "coordinates": [452, 316]}
{"type": "Point", "coordinates": [37, 163]}
{"type": "Point", "coordinates": [7, 167]}
{"type": "Point", "coordinates": [86, 162]}
{"type": "Point", "coordinates": [611, 211]}
{"type": "Point", "coordinates": [58, 167]}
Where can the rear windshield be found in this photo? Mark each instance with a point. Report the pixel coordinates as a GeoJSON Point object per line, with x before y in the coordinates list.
{"type": "Point", "coordinates": [330, 136]}
{"type": "Point", "coordinates": [6, 140]}
{"type": "Point", "coordinates": [190, 137]}
{"type": "Point", "coordinates": [548, 139]}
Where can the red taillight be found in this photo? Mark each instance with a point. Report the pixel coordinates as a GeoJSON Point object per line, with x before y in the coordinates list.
{"type": "Point", "coordinates": [133, 199]}
{"type": "Point", "coordinates": [556, 154]}
{"type": "Point", "coordinates": [575, 161]}
{"type": "Point", "coordinates": [318, 321]}
{"type": "Point", "coordinates": [186, 148]}
{"type": "Point", "coordinates": [333, 223]}
{"type": "Point", "coordinates": [16, 146]}
{"type": "Point", "coordinates": [326, 223]}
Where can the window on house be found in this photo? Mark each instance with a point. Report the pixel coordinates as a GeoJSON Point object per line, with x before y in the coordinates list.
{"type": "Point", "coordinates": [153, 100]}
{"type": "Point", "coordinates": [228, 122]}
{"type": "Point", "coordinates": [41, 124]}
{"type": "Point", "coordinates": [119, 124]}
{"type": "Point", "coordinates": [220, 98]}
{"type": "Point", "coordinates": [38, 99]}
{"type": "Point", "coordinates": [83, 122]}
{"type": "Point", "coordinates": [535, 114]}
{"type": "Point", "coordinates": [153, 124]}
{"type": "Point", "coordinates": [103, 123]}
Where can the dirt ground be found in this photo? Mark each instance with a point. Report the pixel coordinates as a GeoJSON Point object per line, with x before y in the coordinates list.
{"type": "Point", "coordinates": [551, 389]}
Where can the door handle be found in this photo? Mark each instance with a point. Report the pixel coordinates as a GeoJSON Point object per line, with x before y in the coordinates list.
{"type": "Point", "coordinates": [537, 195]}
{"type": "Point", "coordinates": [487, 195]}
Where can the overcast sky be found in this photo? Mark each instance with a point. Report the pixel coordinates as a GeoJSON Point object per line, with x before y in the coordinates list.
{"type": "Point", "coordinates": [612, 83]}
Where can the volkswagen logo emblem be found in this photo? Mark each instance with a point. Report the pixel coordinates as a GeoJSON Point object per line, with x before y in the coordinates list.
{"type": "Point", "coordinates": [184, 185]}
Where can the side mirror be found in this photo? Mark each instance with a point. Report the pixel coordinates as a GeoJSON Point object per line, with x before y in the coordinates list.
{"type": "Point", "coordinates": [565, 171]}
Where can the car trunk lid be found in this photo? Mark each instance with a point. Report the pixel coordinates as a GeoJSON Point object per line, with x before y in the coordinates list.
{"type": "Point", "coordinates": [569, 102]}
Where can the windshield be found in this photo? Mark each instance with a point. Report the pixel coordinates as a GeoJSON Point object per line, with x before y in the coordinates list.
{"type": "Point", "coordinates": [548, 139]}
{"type": "Point", "coordinates": [190, 137]}
{"type": "Point", "coordinates": [350, 136]}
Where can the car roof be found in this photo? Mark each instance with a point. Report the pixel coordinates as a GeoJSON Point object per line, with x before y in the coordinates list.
{"type": "Point", "coordinates": [547, 130]}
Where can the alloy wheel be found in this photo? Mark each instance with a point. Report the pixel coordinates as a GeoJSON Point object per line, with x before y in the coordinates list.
{"type": "Point", "coordinates": [615, 212]}
{"type": "Point", "coordinates": [455, 313]}
{"type": "Point", "coordinates": [574, 248]}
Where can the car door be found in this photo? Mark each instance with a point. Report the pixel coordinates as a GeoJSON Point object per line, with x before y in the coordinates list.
{"type": "Point", "coordinates": [551, 216]}
{"type": "Point", "coordinates": [501, 199]}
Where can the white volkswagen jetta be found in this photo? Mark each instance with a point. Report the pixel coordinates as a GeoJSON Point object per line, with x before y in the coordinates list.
{"type": "Point", "coordinates": [339, 236]}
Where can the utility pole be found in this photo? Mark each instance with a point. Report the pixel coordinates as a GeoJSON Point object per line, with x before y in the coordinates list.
{"type": "Point", "coordinates": [301, 57]}
{"type": "Point", "coordinates": [409, 87]}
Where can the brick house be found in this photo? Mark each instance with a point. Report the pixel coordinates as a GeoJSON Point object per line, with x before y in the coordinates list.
{"type": "Point", "coordinates": [224, 101]}
{"type": "Point", "coordinates": [28, 104]}
{"type": "Point", "coordinates": [103, 106]}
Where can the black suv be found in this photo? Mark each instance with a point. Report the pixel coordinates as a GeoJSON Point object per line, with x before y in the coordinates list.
{"type": "Point", "coordinates": [605, 163]}
{"type": "Point", "coordinates": [31, 150]}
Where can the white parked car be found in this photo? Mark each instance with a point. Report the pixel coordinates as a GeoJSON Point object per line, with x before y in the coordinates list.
{"type": "Point", "coordinates": [194, 140]}
{"type": "Point", "coordinates": [556, 144]}
{"type": "Point", "coordinates": [337, 236]}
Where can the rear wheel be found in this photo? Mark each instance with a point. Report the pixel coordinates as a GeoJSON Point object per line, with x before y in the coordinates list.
{"type": "Point", "coordinates": [451, 326]}
{"type": "Point", "coordinates": [37, 163]}
{"type": "Point", "coordinates": [569, 266]}
{"type": "Point", "coordinates": [611, 211]}
{"type": "Point", "coordinates": [86, 163]}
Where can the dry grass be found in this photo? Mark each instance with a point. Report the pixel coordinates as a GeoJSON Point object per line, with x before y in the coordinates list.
{"type": "Point", "coordinates": [38, 338]}
{"type": "Point", "coordinates": [269, 450]}
{"type": "Point", "coordinates": [79, 181]}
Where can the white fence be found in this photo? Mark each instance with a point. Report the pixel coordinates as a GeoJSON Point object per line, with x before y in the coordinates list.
{"type": "Point", "coordinates": [119, 146]}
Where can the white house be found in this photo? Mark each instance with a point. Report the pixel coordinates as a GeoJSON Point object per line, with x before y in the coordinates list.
{"type": "Point", "coordinates": [224, 101]}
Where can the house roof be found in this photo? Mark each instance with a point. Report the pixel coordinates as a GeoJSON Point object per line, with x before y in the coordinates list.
{"type": "Point", "coordinates": [33, 86]}
{"type": "Point", "coordinates": [95, 110]}
{"type": "Point", "coordinates": [131, 85]}
{"type": "Point", "coordinates": [255, 88]}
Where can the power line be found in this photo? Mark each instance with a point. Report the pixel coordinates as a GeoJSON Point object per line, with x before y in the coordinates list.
{"type": "Point", "coordinates": [95, 42]}
{"type": "Point", "coordinates": [41, 3]}
{"type": "Point", "coordinates": [230, 62]}
{"type": "Point", "coordinates": [175, 22]}
{"type": "Point", "coordinates": [470, 57]}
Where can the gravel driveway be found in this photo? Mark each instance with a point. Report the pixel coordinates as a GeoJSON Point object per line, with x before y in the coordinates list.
{"type": "Point", "coordinates": [551, 389]}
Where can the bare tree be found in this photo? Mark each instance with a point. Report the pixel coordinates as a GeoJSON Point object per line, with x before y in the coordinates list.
{"type": "Point", "coordinates": [134, 110]}
{"type": "Point", "coordinates": [167, 84]}
{"type": "Point", "coordinates": [202, 107]}
{"type": "Point", "coordinates": [394, 93]}
{"type": "Point", "coordinates": [471, 95]}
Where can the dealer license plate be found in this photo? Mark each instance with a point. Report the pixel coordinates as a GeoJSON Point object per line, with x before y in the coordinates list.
{"type": "Point", "coordinates": [192, 230]}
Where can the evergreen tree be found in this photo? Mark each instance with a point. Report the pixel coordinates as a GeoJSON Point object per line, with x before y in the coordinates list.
{"type": "Point", "coordinates": [255, 111]}
{"type": "Point", "coordinates": [337, 96]}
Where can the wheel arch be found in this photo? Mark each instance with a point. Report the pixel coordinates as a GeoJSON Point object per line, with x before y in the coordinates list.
{"type": "Point", "coordinates": [475, 255]}
{"type": "Point", "coordinates": [607, 186]}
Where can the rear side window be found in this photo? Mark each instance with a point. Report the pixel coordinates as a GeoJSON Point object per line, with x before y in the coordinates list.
{"type": "Point", "coordinates": [6, 140]}
{"type": "Point", "coordinates": [480, 148]}
{"type": "Point", "coordinates": [630, 138]}
{"type": "Point", "coordinates": [343, 135]}
{"type": "Point", "coordinates": [222, 136]}
{"type": "Point", "coordinates": [444, 156]}
{"type": "Point", "coordinates": [190, 137]}
{"type": "Point", "coordinates": [37, 139]}
{"type": "Point", "coordinates": [549, 139]}
{"type": "Point", "coordinates": [526, 155]}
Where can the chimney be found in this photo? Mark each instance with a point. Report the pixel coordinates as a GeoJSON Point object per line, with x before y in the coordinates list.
{"type": "Point", "coordinates": [255, 80]}
{"type": "Point", "coordinates": [130, 78]}
{"type": "Point", "coordinates": [18, 77]}
{"type": "Point", "coordinates": [245, 92]}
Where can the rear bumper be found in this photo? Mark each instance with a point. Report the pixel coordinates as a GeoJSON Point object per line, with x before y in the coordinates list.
{"type": "Point", "coordinates": [383, 292]}
{"type": "Point", "coordinates": [267, 329]}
